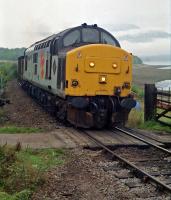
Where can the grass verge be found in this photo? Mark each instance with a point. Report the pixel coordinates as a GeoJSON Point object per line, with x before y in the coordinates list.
{"type": "Point", "coordinates": [15, 129]}
{"type": "Point", "coordinates": [22, 171]}
{"type": "Point", "coordinates": [154, 126]}
{"type": "Point", "coordinates": [136, 117]}
{"type": "Point", "coordinates": [136, 120]}
{"type": "Point", "coordinates": [138, 91]}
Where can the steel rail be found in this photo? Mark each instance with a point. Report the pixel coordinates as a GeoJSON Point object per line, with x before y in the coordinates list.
{"type": "Point", "coordinates": [143, 140]}
{"type": "Point", "coordinates": [134, 167]}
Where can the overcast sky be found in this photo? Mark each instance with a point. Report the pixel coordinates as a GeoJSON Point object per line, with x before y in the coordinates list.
{"type": "Point", "coordinates": [143, 27]}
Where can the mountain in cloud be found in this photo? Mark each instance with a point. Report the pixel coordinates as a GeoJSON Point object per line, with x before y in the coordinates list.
{"type": "Point", "coordinates": [121, 27]}
{"type": "Point", "coordinates": [148, 36]}
{"type": "Point", "coordinates": [156, 57]}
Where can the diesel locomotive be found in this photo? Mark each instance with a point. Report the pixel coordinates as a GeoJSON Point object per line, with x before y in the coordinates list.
{"type": "Point", "coordinates": [82, 75]}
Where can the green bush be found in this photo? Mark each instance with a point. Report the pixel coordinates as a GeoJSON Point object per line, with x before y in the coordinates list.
{"type": "Point", "coordinates": [138, 91]}
{"type": "Point", "coordinates": [8, 71]}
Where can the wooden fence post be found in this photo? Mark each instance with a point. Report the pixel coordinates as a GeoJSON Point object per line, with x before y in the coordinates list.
{"type": "Point", "coordinates": [150, 101]}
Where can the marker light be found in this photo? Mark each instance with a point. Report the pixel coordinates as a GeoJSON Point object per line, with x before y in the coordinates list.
{"type": "Point", "coordinates": [74, 83]}
{"type": "Point", "coordinates": [91, 64]}
{"type": "Point", "coordinates": [114, 65]}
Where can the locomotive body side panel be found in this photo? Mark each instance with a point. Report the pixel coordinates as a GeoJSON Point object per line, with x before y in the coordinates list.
{"type": "Point", "coordinates": [42, 70]}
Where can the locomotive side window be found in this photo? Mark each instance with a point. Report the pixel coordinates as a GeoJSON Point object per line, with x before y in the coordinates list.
{"type": "Point", "coordinates": [35, 57]}
{"type": "Point", "coordinates": [107, 39]}
{"type": "Point", "coordinates": [90, 35]}
{"type": "Point", "coordinates": [26, 63]}
{"type": "Point", "coordinates": [35, 69]}
{"type": "Point", "coordinates": [71, 38]}
{"type": "Point", "coordinates": [48, 43]}
{"type": "Point", "coordinates": [47, 70]}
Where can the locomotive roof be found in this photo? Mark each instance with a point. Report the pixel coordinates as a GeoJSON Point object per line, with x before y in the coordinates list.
{"type": "Point", "coordinates": [62, 33]}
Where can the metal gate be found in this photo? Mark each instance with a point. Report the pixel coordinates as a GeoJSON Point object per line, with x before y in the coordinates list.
{"type": "Point", "coordinates": [157, 104]}
{"type": "Point", "coordinates": [163, 111]}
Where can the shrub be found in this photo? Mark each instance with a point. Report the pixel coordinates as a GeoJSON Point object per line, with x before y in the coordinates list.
{"type": "Point", "coordinates": [138, 91]}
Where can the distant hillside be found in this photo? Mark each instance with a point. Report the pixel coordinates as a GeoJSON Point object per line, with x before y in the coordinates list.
{"type": "Point", "coordinates": [13, 54]}
{"type": "Point", "coordinates": [162, 59]}
{"type": "Point", "coordinates": [10, 54]}
{"type": "Point", "coordinates": [137, 60]}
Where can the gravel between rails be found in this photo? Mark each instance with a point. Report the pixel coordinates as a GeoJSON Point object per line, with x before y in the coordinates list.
{"type": "Point", "coordinates": [88, 175]}
{"type": "Point", "coordinates": [23, 111]}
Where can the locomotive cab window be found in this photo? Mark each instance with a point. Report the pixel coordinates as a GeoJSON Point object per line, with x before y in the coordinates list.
{"type": "Point", "coordinates": [71, 38]}
{"type": "Point", "coordinates": [55, 47]}
{"type": "Point", "coordinates": [107, 39]}
{"type": "Point", "coordinates": [90, 35]}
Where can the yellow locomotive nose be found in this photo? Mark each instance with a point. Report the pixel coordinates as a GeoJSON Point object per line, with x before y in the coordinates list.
{"type": "Point", "coordinates": [101, 69]}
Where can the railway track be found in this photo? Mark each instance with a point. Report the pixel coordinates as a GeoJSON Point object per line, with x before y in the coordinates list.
{"type": "Point", "coordinates": [151, 164]}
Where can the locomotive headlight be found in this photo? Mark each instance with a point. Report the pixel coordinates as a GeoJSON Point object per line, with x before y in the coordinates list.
{"type": "Point", "coordinates": [74, 83]}
{"type": "Point", "coordinates": [91, 64]}
{"type": "Point", "coordinates": [114, 65]}
{"type": "Point", "coordinates": [117, 91]}
{"type": "Point", "coordinates": [102, 79]}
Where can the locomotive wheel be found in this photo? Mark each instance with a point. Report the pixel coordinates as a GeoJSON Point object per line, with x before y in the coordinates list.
{"type": "Point", "coordinates": [61, 111]}
{"type": "Point", "coordinates": [99, 121]}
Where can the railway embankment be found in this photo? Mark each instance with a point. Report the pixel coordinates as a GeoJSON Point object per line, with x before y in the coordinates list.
{"type": "Point", "coordinates": [23, 112]}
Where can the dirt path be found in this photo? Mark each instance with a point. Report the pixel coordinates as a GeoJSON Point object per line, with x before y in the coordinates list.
{"type": "Point", "coordinates": [23, 111]}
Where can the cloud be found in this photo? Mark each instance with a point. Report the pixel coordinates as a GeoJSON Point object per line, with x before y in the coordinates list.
{"type": "Point", "coordinates": [148, 36]}
{"type": "Point", "coordinates": [36, 30]}
{"type": "Point", "coordinates": [122, 27]}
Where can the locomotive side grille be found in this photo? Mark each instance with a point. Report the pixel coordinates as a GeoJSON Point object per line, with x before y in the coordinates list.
{"type": "Point", "coordinates": [61, 73]}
